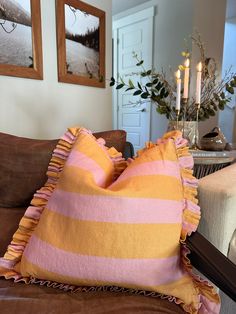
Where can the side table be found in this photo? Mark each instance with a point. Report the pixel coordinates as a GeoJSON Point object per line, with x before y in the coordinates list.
{"type": "Point", "coordinates": [207, 162]}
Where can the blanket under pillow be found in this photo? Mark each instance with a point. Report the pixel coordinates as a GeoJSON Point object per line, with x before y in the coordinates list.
{"type": "Point", "coordinates": [101, 221]}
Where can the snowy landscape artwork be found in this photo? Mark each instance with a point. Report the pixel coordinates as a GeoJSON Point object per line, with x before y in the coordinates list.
{"type": "Point", "coordinates": [82, 42]}
{"type": "Point", "coordinates": [16, 33]}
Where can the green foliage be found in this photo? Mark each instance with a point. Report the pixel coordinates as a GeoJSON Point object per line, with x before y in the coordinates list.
{"type": "Point", "coordinates": [131, 84]}
{"type": "Point", "coordinates": [112, 81]}
{"type": "Point", "coordinates": [139, 86]}
{"type": "Point", "coordinates": [119, 86]}
{"type": "Point", "coordinates": [153, 85]}
{"type": "Point", "coordinates": [137, 92]}
{"type": "Point", "coordinates": [229, 88]}
{"type": "Point", "coordinates": [139, 63]}
{"type": "Point", "coordinates": [129, 88]}
{"type": "Point", "coordinates": [155, 89]}
{"type": "Point", "coordinates": [145, 95]}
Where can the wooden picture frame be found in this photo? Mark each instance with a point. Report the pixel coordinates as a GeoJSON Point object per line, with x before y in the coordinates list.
{"type": "Point", "coordinates": [33, 68]}
{"type": "Point", "coordinates": [80, 43]}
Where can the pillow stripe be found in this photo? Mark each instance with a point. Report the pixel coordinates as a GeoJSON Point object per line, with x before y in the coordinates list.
{"type": "Point", "coordinates": [164, 244]}
{"type": "Point", "coordinates": [86, 160]}
{"type": "Point", "coordinates": [115, 209]}
{"type": "Point", "coordinates": [169, 168]}
{"type": "Point", "coordinates": [87, 164]}
{"type": "Point", "coordinates": [163, 187]}
{"type": "Point", "coordinates": [184, 280]}
{"type": "Point", "coordinates": [140, 272]}
{"type": "Point", "coordinates": [86, 147]}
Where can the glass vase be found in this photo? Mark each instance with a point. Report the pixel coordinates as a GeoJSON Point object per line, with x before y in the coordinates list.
{"type": "Point", "coordinates": [189, 130]}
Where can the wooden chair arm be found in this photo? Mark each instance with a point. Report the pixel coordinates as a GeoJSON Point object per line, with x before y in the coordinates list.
{"type": "Point", "coordinates": [213, 264]}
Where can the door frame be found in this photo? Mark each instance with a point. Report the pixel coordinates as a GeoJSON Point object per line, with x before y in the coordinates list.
{"type": "Point", "coordinates": [148, 13]}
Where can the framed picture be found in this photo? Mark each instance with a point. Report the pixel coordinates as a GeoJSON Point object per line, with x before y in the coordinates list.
{"type": "Point", "coordinates": [80, 43]}
{"type": "Point", "coordinates": [21, 39]}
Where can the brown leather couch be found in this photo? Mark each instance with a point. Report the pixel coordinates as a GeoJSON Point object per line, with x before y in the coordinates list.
{"type": "Point", "coordinates": [23, 164]}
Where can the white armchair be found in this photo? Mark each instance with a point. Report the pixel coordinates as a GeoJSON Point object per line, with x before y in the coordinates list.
{"type": "Point", "coordinates": [217, 198]}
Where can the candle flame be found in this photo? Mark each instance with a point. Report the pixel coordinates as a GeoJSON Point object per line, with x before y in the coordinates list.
{"type": "Point", "coordinates": [199, 67]}
{"type": "Point", "coordinates": [177, 74]}
{"type": "Point", "coordinates": [187, 63]}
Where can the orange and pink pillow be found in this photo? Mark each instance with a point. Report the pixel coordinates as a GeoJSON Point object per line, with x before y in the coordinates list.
{"type": "Point", "coordinates": [101, 221]}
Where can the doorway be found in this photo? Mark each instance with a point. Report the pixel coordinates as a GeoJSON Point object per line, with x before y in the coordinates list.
{"type": "Point", "coordinates": [132, 34]}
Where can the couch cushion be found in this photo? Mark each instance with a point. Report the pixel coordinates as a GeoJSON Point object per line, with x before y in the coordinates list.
{"type": "Point", "coordinates": [113, 138]}
{"type": "Point", "coordinates": [9, 221]}
{"type": "Point", "coordinates": [127, 232]}
{"type": "Point", "coordinates": [23, 164]}
{"type": "Point", "coordinates": [217, 198]}
{"type": "Point", "coordinates": [27, 299]}
{"type": "Point", "coordinates": [232, 248]}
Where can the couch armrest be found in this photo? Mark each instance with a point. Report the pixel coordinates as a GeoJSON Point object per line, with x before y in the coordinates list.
{"type": "Point", "coordinates": [217, 199]}
{"type": "Point", "coordinates": [129, 150]}
{"type": "Point", "coordinates": [212, 264]}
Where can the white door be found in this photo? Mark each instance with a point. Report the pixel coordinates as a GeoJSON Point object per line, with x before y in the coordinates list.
{"type": "Point", "coordinates": [133, 33]}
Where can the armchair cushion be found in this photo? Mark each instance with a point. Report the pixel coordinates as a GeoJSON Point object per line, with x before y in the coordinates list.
{"type": "Point", "coordinates": [129, 232]}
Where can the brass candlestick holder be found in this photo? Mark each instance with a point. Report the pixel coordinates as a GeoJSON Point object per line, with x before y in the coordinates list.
{"type": "Point", "coordinates": [185, 103]}
{"type": "Point", "coordinates": [177, 111]}
{"type": "Point", "coordinates": [195, 145]}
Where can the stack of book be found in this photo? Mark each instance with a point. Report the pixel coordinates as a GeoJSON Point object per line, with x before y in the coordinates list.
{"type": "Point", "coordinates": [198, 153]}
{"type": "Point", "coordinates": [207, 162]}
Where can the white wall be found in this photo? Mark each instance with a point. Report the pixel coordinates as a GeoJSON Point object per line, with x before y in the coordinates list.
{"type": "Point", "coordinates": [209, 20]}
{"type": "Point", "coordinates": [227, 117]}
{"type": "Point", "coordinates": [122, 5]}
{"type": "Point", "coordinates": [44, 109]}
{"type": "Point", "coordinates": [173, 24]}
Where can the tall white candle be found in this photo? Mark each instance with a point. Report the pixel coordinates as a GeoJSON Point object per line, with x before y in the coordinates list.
{"type": "Point", "coordinates": [198, 85]}
{"type": "Point", "coordinates": [178, 90]}
{"type": "Point", "coordinates": [186, 78]}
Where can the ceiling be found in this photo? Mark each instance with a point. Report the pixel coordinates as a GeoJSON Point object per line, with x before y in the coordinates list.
{"type": "Point", "coordinates": [231, 9]}
{"type": "Point", "coordinates": [122, 5]}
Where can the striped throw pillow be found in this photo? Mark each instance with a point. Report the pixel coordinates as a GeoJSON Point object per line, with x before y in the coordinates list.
{"type": "Point", "coordinates": [101, 221]}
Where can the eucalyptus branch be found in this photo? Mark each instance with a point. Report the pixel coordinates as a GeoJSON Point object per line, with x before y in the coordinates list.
{"type": "Point", "coordinates": [140, 62]}
{"type": "Point", "coordinates": [162, 92]}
